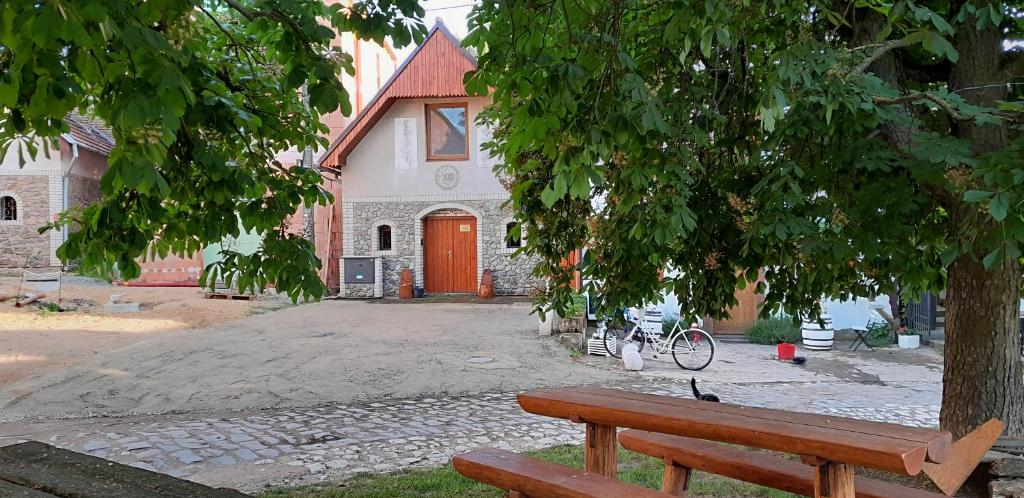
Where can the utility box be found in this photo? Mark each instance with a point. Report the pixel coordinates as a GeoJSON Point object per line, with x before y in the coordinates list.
{"type": "Point", "coordinates": [359, 271]}
{"type": "Point", "coordinates": [361, 277]}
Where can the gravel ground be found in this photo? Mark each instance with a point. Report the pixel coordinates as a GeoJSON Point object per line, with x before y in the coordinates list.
{"type": "Point", "coordinates": [337, 351]}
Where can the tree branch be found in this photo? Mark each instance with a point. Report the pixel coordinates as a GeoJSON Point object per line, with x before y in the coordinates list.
{"type": "Point", "coordinates": [252, 15]}
{"type": "Point", "coordinates": [913, 97]}
{"type": "Point", "coordinates": [881, 50]}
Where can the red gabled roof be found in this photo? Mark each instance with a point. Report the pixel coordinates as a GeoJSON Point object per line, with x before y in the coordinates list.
{"type": "Point", "coordinates": [434, 69]}
{"type": "Point", "coordinates": [89, 133]}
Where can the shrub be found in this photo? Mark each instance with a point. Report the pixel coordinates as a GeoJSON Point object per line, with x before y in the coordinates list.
{"type": "Point", "coordinates": [879, 334]}
{"type": "Point", "coordinates": [668, 320]}
{"type": "Point", "coordinates": [773, 331]}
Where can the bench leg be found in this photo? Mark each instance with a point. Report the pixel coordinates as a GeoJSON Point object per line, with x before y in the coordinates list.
{"type": "Point", "coordinates": [514, 494]}
{"type": "Point", "coordinates": [599, 452]}
{"type": "Point", "coordinates": [676, 480]}
{"type": "Point", "coordinates": [833, 480]}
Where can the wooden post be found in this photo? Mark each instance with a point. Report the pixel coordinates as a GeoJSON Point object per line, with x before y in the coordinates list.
{"type": "Point", "coordinates": [831, 479]}
{"type": "Point", "coordinates": [676, 479]}
{"type": "Point", "coordinates": [599, 453]}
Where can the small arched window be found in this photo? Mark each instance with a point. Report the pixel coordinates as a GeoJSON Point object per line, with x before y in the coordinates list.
{"type": "Point", "coordinates": [8, 208]}
{"type": "Point", "coordinates": [384, 238]}
{"type": "Point", "coordinates": [513, 238]}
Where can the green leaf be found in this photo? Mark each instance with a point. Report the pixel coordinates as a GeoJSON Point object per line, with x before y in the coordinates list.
{"type": "Point", "coordinates": [976, 195]}
{"type": "Point", "coordinates": [705, 41]}
{"type": "Point", "coordinates": [938, 45]}
{"type": "Point", "coordinates": [549, 196]}
{"type": "Point", "coordinates": [999, 205]}
{"type": "Point", "coordinates": [993, 258]}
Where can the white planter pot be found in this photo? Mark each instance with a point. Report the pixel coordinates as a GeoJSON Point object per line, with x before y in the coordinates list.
{"type": "Point", "coordinates": [909, 341]}
{"type": "Point", "coordinates": [817, 337]}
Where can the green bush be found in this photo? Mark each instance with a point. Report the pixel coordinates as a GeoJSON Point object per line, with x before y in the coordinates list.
{"type": "Point", "coordinates": [773, 331]}
{"type": "Point", "coordinates": [668, 320]}
{"type": "Point", "coordinates": [879, 334]}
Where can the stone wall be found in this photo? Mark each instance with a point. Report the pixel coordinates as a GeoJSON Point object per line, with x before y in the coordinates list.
{"type": "Point", "coordinates": [511, 277]}
{"type": "Point", "coordinates": [82, 191]}
{"type": "Point", "coordinates": [21, 245]}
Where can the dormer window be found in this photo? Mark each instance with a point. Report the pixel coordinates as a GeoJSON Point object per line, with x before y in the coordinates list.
{"type": "Point", "coordinates": [447, 137]}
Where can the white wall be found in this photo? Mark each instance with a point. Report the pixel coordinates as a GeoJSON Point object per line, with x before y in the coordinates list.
{"type": "Point", "coordinates": [370, 170]}
{"type": "Point", "coordinates": [38, 166]}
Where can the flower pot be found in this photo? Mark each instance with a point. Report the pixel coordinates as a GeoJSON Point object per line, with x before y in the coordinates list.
{"type": "Point", "coordinates": [817, 337]}
{"type": "Point", "coordinates": [909, 341]}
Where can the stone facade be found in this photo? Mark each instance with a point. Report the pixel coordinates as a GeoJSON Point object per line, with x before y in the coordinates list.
{"type": "Point", "coordinates": [82, 190]}
{"type": "Point", "coordinates": [405, 217]}
{"type": "Point", "coordinates": [21, 244]}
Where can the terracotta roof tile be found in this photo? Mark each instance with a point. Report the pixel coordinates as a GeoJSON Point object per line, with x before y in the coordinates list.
{"type": "Point", "coordinates": [90, 133]}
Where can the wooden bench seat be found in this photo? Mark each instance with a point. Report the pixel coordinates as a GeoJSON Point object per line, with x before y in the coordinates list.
{"type": "Point", "coordinates": [683, 453]}
{"type": "Point", "coordinates": [524, 476]}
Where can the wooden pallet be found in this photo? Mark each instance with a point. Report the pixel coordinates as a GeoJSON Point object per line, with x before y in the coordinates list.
{"type": "Point", "coordinates": [228, 295]}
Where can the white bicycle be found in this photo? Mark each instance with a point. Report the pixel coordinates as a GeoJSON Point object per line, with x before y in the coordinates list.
{"type": "Point", "coordinates": [691, 348]}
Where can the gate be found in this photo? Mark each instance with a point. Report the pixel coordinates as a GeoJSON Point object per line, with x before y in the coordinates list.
{"type": "Point", "coordinates": [921, 314]}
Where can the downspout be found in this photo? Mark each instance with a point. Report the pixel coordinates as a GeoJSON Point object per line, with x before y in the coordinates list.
{"type": "Point", "coordinates": [65, 186]}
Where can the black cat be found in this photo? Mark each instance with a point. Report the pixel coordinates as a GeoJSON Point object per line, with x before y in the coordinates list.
{"type": "Point", "coordinates": [703, 397]}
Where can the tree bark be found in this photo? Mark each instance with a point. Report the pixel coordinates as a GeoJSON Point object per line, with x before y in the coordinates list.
{"type": "Point", "coordinates": [984, 372]}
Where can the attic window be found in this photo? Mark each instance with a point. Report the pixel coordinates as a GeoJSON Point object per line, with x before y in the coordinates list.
{"type": "Point", "coordinates": [447, 139]}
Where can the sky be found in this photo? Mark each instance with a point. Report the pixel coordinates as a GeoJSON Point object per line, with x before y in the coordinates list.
{"type": "Point", "coordinates": [452, 12]}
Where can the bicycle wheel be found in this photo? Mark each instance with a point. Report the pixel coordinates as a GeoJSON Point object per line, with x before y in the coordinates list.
{"type": "Point", "coordinates": [614, 339]}
{"type": "Point", "coordinates": [693, 349]}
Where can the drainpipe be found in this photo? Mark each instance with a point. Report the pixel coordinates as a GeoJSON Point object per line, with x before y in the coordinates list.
{"type": "Point", "coordinates": [65, 184]}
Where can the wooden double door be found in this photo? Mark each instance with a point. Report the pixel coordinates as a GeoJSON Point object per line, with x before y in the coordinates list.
{"type": "Point", "coordinates": [449, 254]}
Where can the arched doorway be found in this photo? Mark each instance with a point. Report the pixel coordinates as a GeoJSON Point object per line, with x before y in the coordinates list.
{"type": "Point", "coordinates": [450, 250]}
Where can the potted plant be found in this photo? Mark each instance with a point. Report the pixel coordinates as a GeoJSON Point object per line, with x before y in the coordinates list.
{"type": "Point", "coordinates": [908, 339]}
{"type": "Point", "coordinates": [575, 320]}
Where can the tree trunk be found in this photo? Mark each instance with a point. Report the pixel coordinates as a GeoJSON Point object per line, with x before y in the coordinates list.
{"type": "Point", "coordinates": [984, 371]}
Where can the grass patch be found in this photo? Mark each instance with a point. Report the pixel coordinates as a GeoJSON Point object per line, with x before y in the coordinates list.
{"type": "Point", "coordinates": [774, 331]}
{"type": "Point", "coordinates": [445, 482]}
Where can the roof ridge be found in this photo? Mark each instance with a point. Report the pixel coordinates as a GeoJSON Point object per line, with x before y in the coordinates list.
{"type": "Point", "coordinates": [439, 27]}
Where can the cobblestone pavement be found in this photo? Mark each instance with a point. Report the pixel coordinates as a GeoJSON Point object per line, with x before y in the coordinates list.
{"type": "Point", "coordinates": [254, 450]}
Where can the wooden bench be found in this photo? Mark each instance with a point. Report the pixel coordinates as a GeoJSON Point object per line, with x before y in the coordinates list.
{"type": "Point", "coordinates": [38, 470]}
{"type": "Point", "coordinates": [683, 454]}
{"type": "Point", "coordinates": [526, 477]}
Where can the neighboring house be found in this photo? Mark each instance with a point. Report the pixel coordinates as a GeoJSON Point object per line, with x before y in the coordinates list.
{"type": "Point", "coordinates": [417, 191]}
{"type": "Point", "coordinates": [54, 181]}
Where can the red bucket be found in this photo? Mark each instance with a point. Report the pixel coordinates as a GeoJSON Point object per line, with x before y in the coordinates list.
{"type": "Point", "coordinates": [787, 351]}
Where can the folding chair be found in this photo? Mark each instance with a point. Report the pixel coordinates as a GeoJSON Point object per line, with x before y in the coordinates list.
{"type": "Point", "coordinates": [862, 339]}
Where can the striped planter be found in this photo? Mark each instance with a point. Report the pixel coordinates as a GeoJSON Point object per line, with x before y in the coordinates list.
{"type": "Point", "coordinates": [818, 337]}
